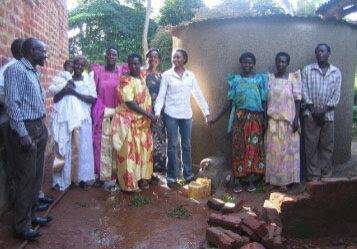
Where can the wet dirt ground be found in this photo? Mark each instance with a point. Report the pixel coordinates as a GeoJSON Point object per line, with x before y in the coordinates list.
{"type": "Point", "coordinates": [93, 218]}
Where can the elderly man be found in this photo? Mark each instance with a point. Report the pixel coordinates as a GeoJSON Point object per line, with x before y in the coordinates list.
{"type": "Point", "coordinates": [24, 100]}
{"type": "Point", "coordinates": [321, 88]}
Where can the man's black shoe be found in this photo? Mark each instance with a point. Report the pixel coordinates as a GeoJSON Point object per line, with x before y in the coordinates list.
{"type": "Point", "coordinates": [29, 234]}
{"type": "Point", "coordinates": [42, 207]}
{"type": "Point", "coordinates": [41, 221]}
{"type": "Point", "coordinates": [46, 199]}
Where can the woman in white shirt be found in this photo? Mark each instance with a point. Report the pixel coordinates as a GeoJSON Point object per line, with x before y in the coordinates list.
{"type": "Point", "coordinates": [175, 91]}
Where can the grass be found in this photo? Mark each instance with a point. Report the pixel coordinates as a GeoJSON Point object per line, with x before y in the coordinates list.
{"type": "Point", "coordinates": [228, 197]}
{"type": "Point", "coordinates": [138, 201]}
{"type": "Point", "coordinates": [181, 181]}
{"type": "Point", "coordinates": [179, 212]}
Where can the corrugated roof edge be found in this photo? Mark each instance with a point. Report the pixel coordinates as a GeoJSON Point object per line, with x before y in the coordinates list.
{"type": "Point", "coordinates": [326, 6]}
{"type": "Point", "coordinates": [184, 25]}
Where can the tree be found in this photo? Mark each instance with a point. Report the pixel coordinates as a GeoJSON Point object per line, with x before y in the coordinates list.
{"type": "Point", "coordinates": [174, 12]}
{"type": "Point", "coordinates": [235, 8]}
{"type": "Point", "coordinates": [99, 24]}
{"type": "Point", "coordinates": [146, 28]}
{"type": "Point", "coordinates": [163, 41]}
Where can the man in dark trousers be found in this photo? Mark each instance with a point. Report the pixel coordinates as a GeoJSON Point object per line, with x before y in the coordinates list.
{"type": "Point", "coordinates": [321, 89]}
{"type": "Point", "coordinates": [27, 138]}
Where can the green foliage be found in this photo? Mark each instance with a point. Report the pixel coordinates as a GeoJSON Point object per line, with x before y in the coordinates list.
{"type": "Point", "coordinates": [179, 212]}
{"type": "Point", "coordinates": [306, 8]}
{"type": "Point", "coordinates": [138, 201]}
{"type": "Point", "coordinates": [234, 8]}
{"type": "Point", "coordinates": [162, 40]}
{"type": "Point", "coordinates": [176, 11]}
{"type": "Point", "coordinates": [99, 24]}
{"type": "Point", "coordinates": [228, 198]}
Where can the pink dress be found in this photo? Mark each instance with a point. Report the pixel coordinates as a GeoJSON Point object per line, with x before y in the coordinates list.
{"type": "Point", "coordinates": [282, 145]}
{"type": "Point", "coordinates": [106, 83]}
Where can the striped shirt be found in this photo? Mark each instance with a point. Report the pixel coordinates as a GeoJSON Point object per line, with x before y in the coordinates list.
{"type": "Point", "coordinates": [24, 95]}
{"type": "Point", "coordinates": [321, 90]}
{"type": "Point", "coordinates": [3, 114]}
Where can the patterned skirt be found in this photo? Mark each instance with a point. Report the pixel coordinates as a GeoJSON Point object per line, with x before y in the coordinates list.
{"type": "Point", "coordinates": [247, 144]}
{"type": "Point", "coordinates": [159, 137]}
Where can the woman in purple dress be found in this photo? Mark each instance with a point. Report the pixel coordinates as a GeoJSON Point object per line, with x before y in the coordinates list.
{"type": "Point", "coordinates": [106, 79]}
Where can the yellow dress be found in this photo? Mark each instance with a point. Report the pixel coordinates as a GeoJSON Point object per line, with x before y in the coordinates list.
{"type": "Point", "coordinates": [132, 138]}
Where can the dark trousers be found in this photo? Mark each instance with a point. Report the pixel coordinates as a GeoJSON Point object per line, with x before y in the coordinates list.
{"type": "Point", "coordinates": [28, 167]}
{"type": "Point", "coordinates": [6, 157]}
{"type": "Point", "coordinates": [318, 148]}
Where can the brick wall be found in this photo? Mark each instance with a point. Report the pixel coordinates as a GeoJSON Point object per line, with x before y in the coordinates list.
{"type": "Point", "coordinates": [42, 19]}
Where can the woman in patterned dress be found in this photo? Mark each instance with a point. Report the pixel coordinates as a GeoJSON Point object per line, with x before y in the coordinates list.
{"type": "Point", "coordinates": [153, 80]}
{"type": "Point", "coordinates": [132, 138]}
{"type": "Point", "coordinates": [282, 142]}
{"type": "Point", "coordinates": [246, 100]}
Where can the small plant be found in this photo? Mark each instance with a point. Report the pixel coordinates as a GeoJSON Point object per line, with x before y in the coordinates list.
{"type": "Point", "coordinates": [181, 181]}
{"type": "Point", "coordinates": [138, 201]}
{"type": "Point", "coordinates": [179, 212]}
{"type": "Point", "coordinates": [228, 197]}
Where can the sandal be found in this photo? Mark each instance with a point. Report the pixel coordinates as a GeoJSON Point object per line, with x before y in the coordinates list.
{"type": "Point", "coordinates": [143, 184]}
{"type": "Point", "coordinates": [237, 189]}
{"type": "Point", "coordinates": [283, 189]}
{"type": "Point", "coordinates": [154, 180]}
{"type": "Point", "coordinates": [251, 188]}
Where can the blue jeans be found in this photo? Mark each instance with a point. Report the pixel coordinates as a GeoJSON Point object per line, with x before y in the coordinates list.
{"type": "Point", "coordinates": [184, 126]}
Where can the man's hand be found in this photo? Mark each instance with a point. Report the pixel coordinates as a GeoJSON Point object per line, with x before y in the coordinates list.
{"type": "Point", "coordinates": [26, 143]}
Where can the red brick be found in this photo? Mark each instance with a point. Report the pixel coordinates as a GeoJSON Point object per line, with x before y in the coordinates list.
{"type": "Point", "coordinates": [246, 240]}
{"type": "Point", "coordinates": [253, 245]}
{"type": "Point", "coordinates": [215, 204]}
{"type": "Point", "coordinates": [238, 241]}
{"type": "Point", "coordinates": [268, 239]}
{"type": "Point", "coordinates": [225, 242]}
{"type": "Point", "coordinates": [249, 232]}
{"type": "Point", "coordinates": [230, 207]}
{"type": "Point", "coordinates": [231, 222]}
{"type": "Point", "coordinates": [212, 235]}
{"type": "Point", "coordinates": [278, 244]}
{"type": "Point", "coordinates": [256, 225]}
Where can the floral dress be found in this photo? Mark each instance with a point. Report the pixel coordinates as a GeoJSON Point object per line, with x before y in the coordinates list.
{"type": "Point", "coordinates": [246, 124]}
{"type": "Point", "coordinates": [282, 144]}
{"type": "Point", "coordinates": [132, 138]}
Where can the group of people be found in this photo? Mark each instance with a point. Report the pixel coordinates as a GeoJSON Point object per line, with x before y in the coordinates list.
{"type": "Point", "coordinates": [264, 120]}
{"type": "Point", "coordinates": [120, 124]}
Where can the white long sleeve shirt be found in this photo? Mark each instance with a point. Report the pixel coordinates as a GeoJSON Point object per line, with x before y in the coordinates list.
{"type": "Point", "coordinates": [175, 93]}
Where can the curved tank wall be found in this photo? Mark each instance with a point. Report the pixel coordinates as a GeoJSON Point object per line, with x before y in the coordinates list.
{"type": "Point", "coordinates": [214, 47]}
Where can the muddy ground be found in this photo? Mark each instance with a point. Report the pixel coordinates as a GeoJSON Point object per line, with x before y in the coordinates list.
{"type": "Point", "coordinates": [93, 218]}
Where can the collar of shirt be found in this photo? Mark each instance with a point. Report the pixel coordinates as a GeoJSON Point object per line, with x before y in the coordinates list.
{"type": "Point", "coordinates": [172, 72]}
{"type": "Point", "coordinates": [29, 66]}
{"type": "Point", "coordinates": [330, 69]}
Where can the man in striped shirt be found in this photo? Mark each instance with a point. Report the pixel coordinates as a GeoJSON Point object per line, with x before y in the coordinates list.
{"type": "Point", "coordinates": [321, 88]}
{"type": "Point", "coordinates": [27, 138]}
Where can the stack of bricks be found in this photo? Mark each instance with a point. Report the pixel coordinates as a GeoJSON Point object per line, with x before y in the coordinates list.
{"type": "Point", "coordinates": [240, 229]}
{"type": "Point", "coordinates": [42, 19]}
